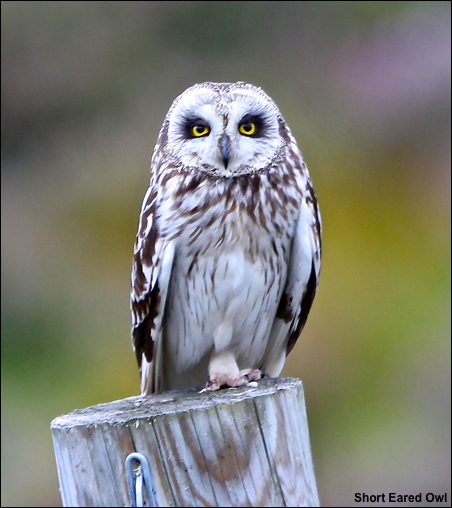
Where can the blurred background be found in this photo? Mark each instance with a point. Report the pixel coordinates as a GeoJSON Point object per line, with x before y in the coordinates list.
{"type": "Point", "coordinates": [365, 88]}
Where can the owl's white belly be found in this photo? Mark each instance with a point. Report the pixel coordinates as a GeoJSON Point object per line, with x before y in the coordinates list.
{"type": "Point", "coordinates": [225, 301]}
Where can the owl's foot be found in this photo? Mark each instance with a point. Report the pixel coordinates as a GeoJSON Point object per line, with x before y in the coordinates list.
{"type": "Point", "coordinates": [225, 381]}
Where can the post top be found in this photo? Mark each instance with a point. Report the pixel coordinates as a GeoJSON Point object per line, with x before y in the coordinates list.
{"type": "Point", "coordinates": [151, 406]}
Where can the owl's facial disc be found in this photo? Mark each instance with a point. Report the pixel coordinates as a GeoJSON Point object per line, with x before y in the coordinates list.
{"type": "Point", "coordinates": [224, 130]}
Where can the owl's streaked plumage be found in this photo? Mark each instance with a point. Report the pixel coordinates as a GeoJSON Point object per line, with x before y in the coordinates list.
{"type": "Point", "coordinates": [227, 254]}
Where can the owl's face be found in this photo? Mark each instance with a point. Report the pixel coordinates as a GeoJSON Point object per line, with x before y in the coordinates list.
{"type": "Point", "coordinates": [224, 129]}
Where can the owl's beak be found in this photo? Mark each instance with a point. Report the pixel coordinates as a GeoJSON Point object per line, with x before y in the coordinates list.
{"type": "Point", "coordinates": [225, 144]}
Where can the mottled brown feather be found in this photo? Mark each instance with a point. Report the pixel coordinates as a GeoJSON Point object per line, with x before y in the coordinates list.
{"type": "Point", "coordinates": [306, 303]}
{"type": "Point", "coordinates": [142, 333]}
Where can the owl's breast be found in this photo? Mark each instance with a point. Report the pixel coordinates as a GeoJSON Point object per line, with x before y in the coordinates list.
{"type": "Point", "coordinates": [218, 299]}
{"type": "Point", "coordinates": [225, 287]}
{"type": "Point", "coordinates": [232, 253]}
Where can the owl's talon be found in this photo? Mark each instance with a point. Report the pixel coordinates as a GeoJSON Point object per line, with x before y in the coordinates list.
{"type": "Point", "coordinates": [211, 386]}
{"type": "Point", "coordinates": [247, 377]}
{"type": "Point", "coordinates": [253, 374]}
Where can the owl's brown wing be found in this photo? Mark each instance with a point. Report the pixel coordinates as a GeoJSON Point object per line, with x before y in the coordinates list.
{"type": "Point", "coordinates": [301, 284]}
{"type": "Point", "coordinates": [152, 263]}
{"type": "Point", "coordinates": [314, 233]}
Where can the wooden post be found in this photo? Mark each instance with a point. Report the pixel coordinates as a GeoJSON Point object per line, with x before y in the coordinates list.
{"type": "Point", "coordinates": [246, 446]}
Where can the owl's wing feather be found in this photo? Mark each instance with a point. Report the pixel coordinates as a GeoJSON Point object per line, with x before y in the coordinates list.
{"type": "Point", "coordinates": [153, 259]}
{"type": "Point", "coordinates": [301, 284]}
{"type": "Point", "coordinates": [311, 235]}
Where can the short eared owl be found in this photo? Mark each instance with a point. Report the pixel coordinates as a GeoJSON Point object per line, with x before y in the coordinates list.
{"type": "Point", "coordinates": [227, 254]}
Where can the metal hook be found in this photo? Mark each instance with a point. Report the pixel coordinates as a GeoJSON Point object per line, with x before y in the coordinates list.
{"type": "Point", "coordinates": [136, 478]}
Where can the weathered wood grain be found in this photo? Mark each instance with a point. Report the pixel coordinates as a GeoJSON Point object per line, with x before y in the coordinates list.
{"type": "Point", "coordinates": [247, 446]}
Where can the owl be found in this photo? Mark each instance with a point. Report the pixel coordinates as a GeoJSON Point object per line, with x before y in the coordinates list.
{"type": "Point", "coordinates": [228, 250]}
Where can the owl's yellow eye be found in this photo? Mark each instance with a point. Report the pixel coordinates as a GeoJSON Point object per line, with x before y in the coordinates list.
{"type": "Point", "coordinates": [247, 128]}
{"type": "Point", "coordinates": [199, 130]}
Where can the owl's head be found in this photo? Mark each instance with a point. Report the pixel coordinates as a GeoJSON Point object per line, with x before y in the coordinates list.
{"type": "Point", "coordinates": [224, 129]}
